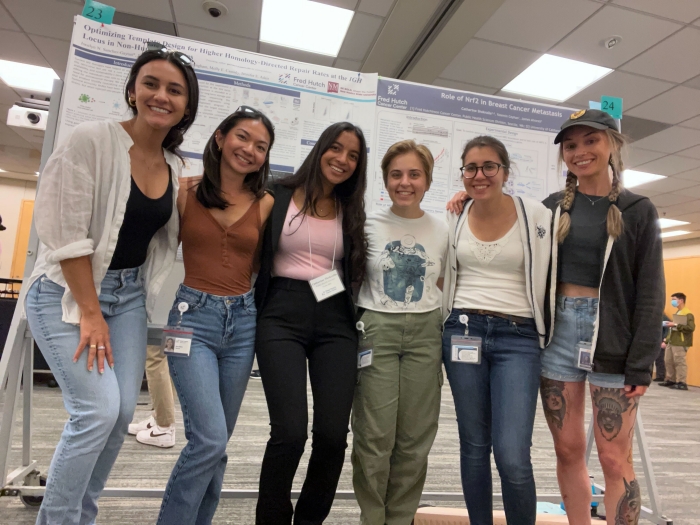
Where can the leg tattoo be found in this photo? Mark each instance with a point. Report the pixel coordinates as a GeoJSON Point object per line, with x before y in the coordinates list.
{"type": "Point", "coordinates": [630, 504]}
{"type": "Point", "coordinates": [553, 401]}
{"type": "Point", "coordinates": [611, 403]}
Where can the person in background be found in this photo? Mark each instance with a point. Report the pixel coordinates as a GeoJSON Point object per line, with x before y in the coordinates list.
{"type": "Point", "coordinates": [2, 228]}
{"type": "Point", "coordinates": [222, 216]}
{"type": "Point", "coordinates": [314, 249]}
{"type": "Point", "coordinates": [495, 284]}
{"type": "Point", "coordinates": [107, 220]}
{"type": "Point", "coordinates": [659, 363]}
{"type": "Point", "coordinates": [397, 398]}
{"type": "Point", "coordinates": [678, 340]}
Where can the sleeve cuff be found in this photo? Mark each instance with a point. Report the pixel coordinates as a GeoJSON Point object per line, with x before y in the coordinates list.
{"type": "Point", "coordinates": [71, 251]}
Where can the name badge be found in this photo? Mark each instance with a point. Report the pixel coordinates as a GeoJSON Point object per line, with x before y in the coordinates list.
{"type": "Point", "coordinates": [585, 353]}
{"type": "Point", "coordinates": [466, 349]}
{"type": "Point", "coordinates": [365, 353]}
{"type": "Point", "coordinates": [327, 285]}
{"type": "Point", "coordinates": [176, 341]}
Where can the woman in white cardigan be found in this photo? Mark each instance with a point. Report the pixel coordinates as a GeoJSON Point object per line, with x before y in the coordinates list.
{"type": "Point", "coordinates": [493, 302]}
{"type": "Point", "coordinates": [107, 219]}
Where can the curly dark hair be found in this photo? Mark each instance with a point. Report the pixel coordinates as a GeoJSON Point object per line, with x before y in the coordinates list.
{"type": "Point", "coordinates": [350, 194]}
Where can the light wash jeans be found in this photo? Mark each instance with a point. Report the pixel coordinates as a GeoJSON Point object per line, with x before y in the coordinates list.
{"type": "Point", "coordinates": [210, 384]}
{"type": "Point", "coordinates": [495, 403]}
{"type": "Point", "coordinates": [100, 406]}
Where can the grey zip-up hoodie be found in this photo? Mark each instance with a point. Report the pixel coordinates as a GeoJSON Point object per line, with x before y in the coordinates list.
{"type": "Point", "coordinates": [627, 333]}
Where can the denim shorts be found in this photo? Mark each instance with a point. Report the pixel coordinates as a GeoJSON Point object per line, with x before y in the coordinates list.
{"type": "Point", "coordinates": [574, 322]}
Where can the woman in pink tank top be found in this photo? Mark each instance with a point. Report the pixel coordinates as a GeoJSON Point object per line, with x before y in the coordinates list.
{"type": "Point", "coordinates": [221, 220]}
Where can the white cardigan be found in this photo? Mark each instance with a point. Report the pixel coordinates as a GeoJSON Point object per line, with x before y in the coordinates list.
{"type": "Point", "coordinates": [535, 230]}
{"type": "Point", "coordinates": [80, 206]}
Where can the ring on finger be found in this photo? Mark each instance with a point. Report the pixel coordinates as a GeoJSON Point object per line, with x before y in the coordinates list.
{"type": "Point", "coordinates": [101, 347]}
{"type": "Point", "coordinates": [93, 346]}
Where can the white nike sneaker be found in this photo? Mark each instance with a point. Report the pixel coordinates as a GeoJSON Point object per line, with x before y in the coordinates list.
{"type": "Point", "coordinates": [146, 424]}
{"type": "Point", "coordinates": [163, 437]}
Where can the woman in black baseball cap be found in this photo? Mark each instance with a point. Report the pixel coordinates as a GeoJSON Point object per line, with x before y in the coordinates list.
{"type": "Point", "coordinates": [605, 307]}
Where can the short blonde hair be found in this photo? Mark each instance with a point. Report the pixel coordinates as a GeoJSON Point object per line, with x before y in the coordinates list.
{"type": "Point", "coordinates": [409, 146]}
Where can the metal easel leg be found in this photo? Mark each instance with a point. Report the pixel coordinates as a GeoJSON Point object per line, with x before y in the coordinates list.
{"type": "Point", "coordinates": [11, 367]}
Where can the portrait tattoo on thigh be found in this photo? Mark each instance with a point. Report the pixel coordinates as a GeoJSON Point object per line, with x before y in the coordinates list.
{"type": "Point", "coordinates": [611, 404]}
{"type": "Point", "coordinates": [630, 505]}
{"type": "Point", "coordinates": [553, 401]}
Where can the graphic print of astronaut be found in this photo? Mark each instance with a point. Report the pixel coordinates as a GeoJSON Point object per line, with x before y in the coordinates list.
{"type": "Point", "coordinates": [404, 264]}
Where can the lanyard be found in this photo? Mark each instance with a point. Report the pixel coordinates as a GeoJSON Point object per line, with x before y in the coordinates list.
{"type": "Point", "coordinates": [335, 243]}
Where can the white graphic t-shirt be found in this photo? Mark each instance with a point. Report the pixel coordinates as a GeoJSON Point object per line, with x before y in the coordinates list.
{"type": "Point", "coordinates": [404, 261]}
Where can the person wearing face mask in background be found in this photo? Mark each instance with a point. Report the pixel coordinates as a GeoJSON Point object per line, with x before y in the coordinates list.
{"type": "Point", "coordinates": [397, 399]}
{"type": "Point", "coordinates": [222, 216]}
{"type": "Point", "coordinates": [678, 340]}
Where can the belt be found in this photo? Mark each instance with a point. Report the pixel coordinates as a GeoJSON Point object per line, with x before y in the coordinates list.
{"type": "Point", "coordinates": [512, 318]}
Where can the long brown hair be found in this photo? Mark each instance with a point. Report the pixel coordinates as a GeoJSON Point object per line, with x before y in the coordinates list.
{"type": "Point", "coordinates": [614, 222]}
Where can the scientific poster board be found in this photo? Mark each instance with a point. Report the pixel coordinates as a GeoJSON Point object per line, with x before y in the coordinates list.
{"type": "Point", "coordinates": [444, 120]}
{"type": "Point", "coordinates": [300, 99]}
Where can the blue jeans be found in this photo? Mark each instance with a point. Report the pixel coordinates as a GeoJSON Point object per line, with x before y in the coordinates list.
{"type": "Point", "coordinates": [495, 403]}
{"type": "Point", "coordinates": [210, 384]}
{"type": "Point", "coordinates": [100, 406]}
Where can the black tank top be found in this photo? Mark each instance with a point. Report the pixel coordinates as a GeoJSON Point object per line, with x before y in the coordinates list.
{"type": "Point", "coordinates": [143, 217]}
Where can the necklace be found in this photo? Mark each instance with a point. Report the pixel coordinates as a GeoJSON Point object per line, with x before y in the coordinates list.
{"type": "Point", "coordinates": [591, 200]}
{"type": "Point", "coordinates": [158, 157]}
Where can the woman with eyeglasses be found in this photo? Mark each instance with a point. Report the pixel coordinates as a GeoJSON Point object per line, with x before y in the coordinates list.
{"type": "Point", "coordinates": [222, 215]}
{"type": "Point", "coordinates": [107, 220]}
{"type": "Point", "coordinates": [493, 301]}
{"type": "Point", "coordinates": [313, 252]}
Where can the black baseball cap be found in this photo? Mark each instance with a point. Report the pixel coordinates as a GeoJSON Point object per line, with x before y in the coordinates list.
{"type": "Point", "coordinates": [593, 118]}
{"type": "Point", "coordinates": [1, 226]}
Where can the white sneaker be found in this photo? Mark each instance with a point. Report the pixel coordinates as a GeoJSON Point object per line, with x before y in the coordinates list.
{"type": "Point", "coordinates": [146, 424]}
{"type": "Point", "coordinates": [163, 437]}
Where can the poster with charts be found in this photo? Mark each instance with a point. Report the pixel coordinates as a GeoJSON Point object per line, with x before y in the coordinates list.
{"type": "Point", "coordinates": [300, 99]}
{"type": "Point", "coordinates": [444, 120]}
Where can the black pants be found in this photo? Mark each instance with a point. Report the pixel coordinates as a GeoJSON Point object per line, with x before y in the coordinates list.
{"type": "Point", "coordinates": [294, 328]}
{"type": "Point", "coordinates": [661, 364]}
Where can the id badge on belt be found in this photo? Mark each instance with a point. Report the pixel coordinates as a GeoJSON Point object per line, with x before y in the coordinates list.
{"type": "Point", "coordinates": [365, 351]}
{"type": "Point", "coordinates": [177, 340]}
{"type": "Point", "coordinates": [584, 352]}
{"type": "Point", "coordinates": [326, 285]}
{"type": "Point", "coordinates": [465, 348]}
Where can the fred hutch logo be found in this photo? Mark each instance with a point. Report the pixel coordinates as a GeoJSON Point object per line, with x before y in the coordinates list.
{"type": "Point", "coordinates": [333, 87]}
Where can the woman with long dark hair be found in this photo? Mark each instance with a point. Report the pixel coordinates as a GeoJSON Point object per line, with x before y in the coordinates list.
{"type": "Point", "coordinates": [314, 250]}
{"type": "Point", "coordinates": [221, 220]}
{"type": "Point", "coordinates": [107, 221]}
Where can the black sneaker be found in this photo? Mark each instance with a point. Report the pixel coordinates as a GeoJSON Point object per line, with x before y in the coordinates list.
{"type": "Point", "coordinates": [255, 374]}
{"type": "Point", "coordinates": [658, 379]}
{"type": "Point", "coordinates": [667, 383]}
{"type": "Point", "coordinates": [680, 386]}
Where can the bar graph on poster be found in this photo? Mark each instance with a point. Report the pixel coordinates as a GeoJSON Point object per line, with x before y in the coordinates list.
{"type": "Point", "coordinates": [444, 120]}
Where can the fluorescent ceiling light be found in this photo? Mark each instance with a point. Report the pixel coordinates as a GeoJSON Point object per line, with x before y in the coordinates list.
{"type": "Point", "coordinates": [2, 170]}
{"type": "Point", "coordinates": [670, 223]}
{"type": "Point", "coordinates": [675, 233]}
{"type": "Point", "coordinates": [36, 172]}
{"type": "Point", "coordinates": [632, 178]}
{"type": "Point", "coordinates": [302, 24]}
{"type": "Point", "coordinates": [24, 76]}
{"type": "Point", "coordinates": [555, 78]}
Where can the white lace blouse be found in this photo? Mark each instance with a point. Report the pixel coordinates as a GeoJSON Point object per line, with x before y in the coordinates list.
{"type": "Point", "coordinates": [491, 275]}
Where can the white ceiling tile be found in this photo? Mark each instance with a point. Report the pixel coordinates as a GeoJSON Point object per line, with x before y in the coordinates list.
{"type": "Point", "coordinates": [683, 10]}
{"type": "Point", "coordinates": [295, 54]}
{"type": "Point", "coordinates": [641, 190]}
{"type": "Point", "coordinates": [669, 165]}
{"type": "Point", "coordinates": [6, 21]}
{"type": "Point", "coordinates": [689, 175]}
{"type": "Point", "coordinates": [53, 19]}
{"type": "Point", "coordinates": [691, 123]}
{"type": "Point", "coordinates": [670, 140]}
{"type": "Point", "coordinates": [671, 107]}
{"type": "Point", "coordinates": [350, 65]}
{"type": "Point", "coordinates": [637, 156]}
{"type": "Point", "coordinates": [17, 47]}
{"type": "Point", "coordinates": [220, 39]}
{"type": "Point", "coordinates": [9, 140]}
{"type": "Point", "coordinates": [693, 153]}
{"type": "Point", "coordinates": [158, 9]}
{"type": "Point", "coordinates": [693, 191]}
{"type": "Point", "coordinates": [688, 205]}
{"type": "Point", "coordinates": [344, 4]}
{"type": "Point", "coordinates": [243, 18]}
{"type": "Point", "coordinates": [54, 51]}
{"type": "Point", "coordinates": [8, 96]}
{"type": "Point", "coordinates": [638, 32]}
{"type": "Point", "coordinates": [548, 21]}
{"type": "Point", "coordinates": [670, 199]}
{"type": "Point", "coordinates": [675, 59]}
{"type": "Point", "coordinates": [463, 86]}
{"type": "Point", "coordinates": [667, 185]}
{"type": "Point", "coordinates": [633, 89]}
{"type": "Point", "coordinates": [690, 217]}
{"type": "Point", "coordinates": [376, 7]}
{"type": "Point", "coordinates": [361, 33]}
{"type": "Point", "coordinates": [475, 64]}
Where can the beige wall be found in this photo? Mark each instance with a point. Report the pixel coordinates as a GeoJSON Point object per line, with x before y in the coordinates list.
{"type": "Point", "coordinates": [680, 249]}
{"type": "Point", "coordinates": [12, 193]}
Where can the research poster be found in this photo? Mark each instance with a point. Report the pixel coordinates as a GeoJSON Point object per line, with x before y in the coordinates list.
{"type": "Point", "coordinates": [300, 99]}
{"type": "Point", "coordinates": [444, 120]}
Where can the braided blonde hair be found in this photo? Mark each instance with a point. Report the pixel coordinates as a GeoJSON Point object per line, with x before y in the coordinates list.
{"type": "Point", "coordinates": [614, 222]}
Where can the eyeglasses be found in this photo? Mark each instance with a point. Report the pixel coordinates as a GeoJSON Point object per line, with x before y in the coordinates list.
{"type": "Point", "coordinates": [489, 169]}
{"type": "Point", "coordinates": [159, 48]}
{"type": "Point", "coordinates": [247, 109]}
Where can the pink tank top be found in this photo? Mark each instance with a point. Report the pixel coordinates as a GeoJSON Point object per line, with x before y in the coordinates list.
{"type": "Point", "coordinates": [292, 258]}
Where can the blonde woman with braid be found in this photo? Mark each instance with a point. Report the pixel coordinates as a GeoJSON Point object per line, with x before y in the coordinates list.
{"type": "Point", "coordinates": [606, 303]}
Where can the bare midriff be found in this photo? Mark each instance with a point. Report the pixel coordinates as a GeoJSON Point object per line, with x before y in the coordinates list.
{"type": "Point", "coordinates": [576, 290]}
